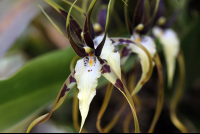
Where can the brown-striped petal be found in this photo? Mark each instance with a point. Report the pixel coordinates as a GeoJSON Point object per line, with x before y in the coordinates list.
{"type": "Point", "coordinates": [111, 76]}
{"type": "Point", "coordinates": [87, 35]}
{"type": "Point", "coordinates": [67, 86]}
{"type": "Point", "coordinates": [80, 51]}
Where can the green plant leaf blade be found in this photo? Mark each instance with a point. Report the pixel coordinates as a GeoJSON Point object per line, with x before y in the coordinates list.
{"type": "Point", "coordinates": [35, 86]}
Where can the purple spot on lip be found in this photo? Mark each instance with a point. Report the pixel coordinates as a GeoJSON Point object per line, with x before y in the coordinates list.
{"type": "Point", "coordinates": [72, 79]}
{"type": "Point", "coordinates": [119, 85]}
{"type": "Point", "coordinates": [105, 69]}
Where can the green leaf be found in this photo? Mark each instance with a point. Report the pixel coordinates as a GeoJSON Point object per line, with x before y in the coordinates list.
{"type": "Point", "coordinates": [33, 87]}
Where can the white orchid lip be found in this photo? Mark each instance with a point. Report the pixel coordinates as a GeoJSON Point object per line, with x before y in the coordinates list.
{"type": "Point", "coordinates": [171, 45]}
{"type": "Point", "coordinates": [88, 70]}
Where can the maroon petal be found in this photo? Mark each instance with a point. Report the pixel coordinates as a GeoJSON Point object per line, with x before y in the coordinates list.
{"type": "Point", "coordinates": [74, 24]}
{"type": "Point", "coordinates": [137, 19]}
{"type": "Point", "coordinates": [80, 51]}
{"type": "Point", "coordinates": [87, 35]}
{"type": "Point", "coordinates": [127, 20]}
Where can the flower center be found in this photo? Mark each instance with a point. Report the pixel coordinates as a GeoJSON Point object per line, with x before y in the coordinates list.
{"type": "Point", "coordinates": [92, 59]}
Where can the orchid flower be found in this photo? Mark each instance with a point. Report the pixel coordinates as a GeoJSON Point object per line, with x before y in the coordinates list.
{"type": "Point", "coordinates": [171, 47]}
{"type": "Point", "coordinates": [168, 39]}
{"type": "Point", "coordinates": [148, 50]}
{"type": "Point", "coordinates": [96, 59]}
{"type": "Point", "coordinates": [138, 33]}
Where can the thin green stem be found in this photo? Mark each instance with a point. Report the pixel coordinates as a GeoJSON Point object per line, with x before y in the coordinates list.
{"type": "Point", "coordinates": [104, 107]}
{"type": "Point", "coordinates": [178, 95]}
{"type": "Point", "coordinates": [160, 94]}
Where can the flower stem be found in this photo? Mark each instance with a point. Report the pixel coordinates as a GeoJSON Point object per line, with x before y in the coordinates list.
{"type": "Point", "coordinates": [104, 106]}
{"type": "Point", "coordinates": [178, 95]}
{"type": "Point", "coordinates": [160, 93]}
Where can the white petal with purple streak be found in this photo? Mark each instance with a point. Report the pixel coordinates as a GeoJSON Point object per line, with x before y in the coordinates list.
{"type": "Point", "coordinates": [108, 54]}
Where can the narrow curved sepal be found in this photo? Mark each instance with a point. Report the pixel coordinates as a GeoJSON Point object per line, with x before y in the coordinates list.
{"type": "Point", "coordinates": [138, 15]}
{"type": "Point", "coordinates": [67, 86]}
{"type": "Point", "coordinates": [127, 19]}
{"type": "Point", "coordinates": [111, 76]}
{"type": "Point", "coordinates": [160, 11]}
{"type": "Point", "coordinates": [145, 60]}
{"type": "Point", "coordinates": [74, 24]}
{"type": "Point", "coordinates": [80, 51]}
{"type": "Point", "coordinates": [51, 21]}
{"type": "Point", "coordinates": [100, 46]}
{"type": "Point", "coordinates": [87, 31]}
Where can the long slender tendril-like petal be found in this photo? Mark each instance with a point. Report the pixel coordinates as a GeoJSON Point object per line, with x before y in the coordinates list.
{"type": "Point", "coordinates": [137, 19]}
{"type": "Point", "coordinates": [111, 76]}
{"type": "Point", "coordinates": [67, 86]}
{"type": "Point", "coordinates": [160, 94]}
{"type": "Point", "coordinates": [116, 117]}
{"type": "Point", "coordinates": [171, 44]}
{"type": "Point", "coordinates": [127, 123]}
{"type": "Point", "coordinates": [178, 94]}
{"type": "Point", "coordinates": [75, 25]}
{"type": "Point", "coordinates": [145, 56]}
{"type": "Point", "coordinates": [103, 107]}
{"type": "Point", "coordinates": [149, 23]}
{"type": "Point", "coordinates": [76, 7]}
{"type": "Point", "coordinates": [52, 21]}
{"type": "Point", "coordinates": [87, 34]}
{"type": "Point", "coordinates": [127, 19]}
{"type": "Point", "coordinates": [131, 83]}
{"type": "Point", "coordinates": [100, 46]}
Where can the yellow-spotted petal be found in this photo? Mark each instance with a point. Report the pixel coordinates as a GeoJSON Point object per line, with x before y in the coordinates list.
{"type": "Point", "coordinates": [88, 70]}
{"type": "Point", "coordinates": [168, 38]}
{"type": "Point", "coordinates": [108, 53]}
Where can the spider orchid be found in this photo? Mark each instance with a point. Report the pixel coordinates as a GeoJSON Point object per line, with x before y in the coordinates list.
{"type": "Point", "coordinates": [94, 62]}
{"type": "Point", "coordinates": [168, 39]}
{"type": "Point", "coordinates": [138, 33]}
{"type": "Point", "coordinates": [171, 47]}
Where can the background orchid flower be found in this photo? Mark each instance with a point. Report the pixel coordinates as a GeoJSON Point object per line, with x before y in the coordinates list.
{"type": "Point", "coordinates": [171, 47]}
{"type": "Point", "coordinates": [168, 39]}
{"type": "Point", "coordinates": [139, 29]}
{"type": "Point", "coordinates": [88, 69]}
